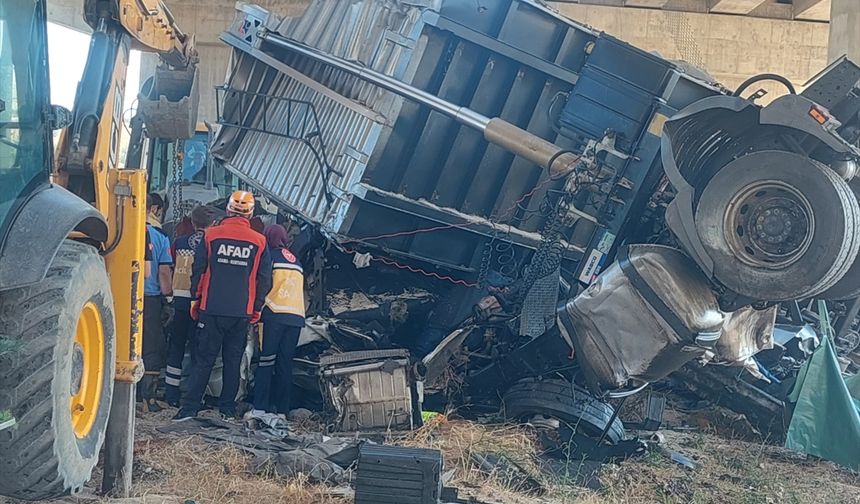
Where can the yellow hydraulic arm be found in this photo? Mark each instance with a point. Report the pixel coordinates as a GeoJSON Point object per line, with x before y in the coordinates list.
{"type": "Point", "coordinates": [88, 164]}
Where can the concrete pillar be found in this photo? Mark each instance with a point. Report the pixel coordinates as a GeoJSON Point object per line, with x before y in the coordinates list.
{"type": "Point", "coordinates": [844, 30]}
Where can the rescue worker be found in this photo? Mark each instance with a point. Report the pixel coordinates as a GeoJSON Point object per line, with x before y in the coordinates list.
{"type": "Point", "coordinates": [230, 277]}
{"type": "Point", "coordinates": [183, 326]}
{"type": "Point", "coordinates": [283, 318]}
{"type": "Point", "coordinates": [156, 286]}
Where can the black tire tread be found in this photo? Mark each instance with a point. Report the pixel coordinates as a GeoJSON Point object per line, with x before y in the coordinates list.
{"type": "Point", "coordinates": [847, 286]}
{"type": "Point", "coordinates": [22, 473]}
{"type": "Point", "coordinates": [565, 401]}
{"type": "Point", "coordinates": [849, 251]}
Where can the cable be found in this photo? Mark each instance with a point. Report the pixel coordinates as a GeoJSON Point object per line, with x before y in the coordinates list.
{"type": "Point", "coordinates": [767, 76]}
{"type": "Point", "coordinates": [431, 274]}
{"type": "Point", "coordinates": [556, 156]}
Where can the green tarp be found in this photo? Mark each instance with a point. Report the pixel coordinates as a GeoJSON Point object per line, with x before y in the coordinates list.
{"type": "Point", "coordinates": [826, 420]}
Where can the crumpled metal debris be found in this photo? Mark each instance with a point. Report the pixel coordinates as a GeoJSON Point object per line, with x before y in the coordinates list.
{"type": "Point", "coordinates": [321, 458]}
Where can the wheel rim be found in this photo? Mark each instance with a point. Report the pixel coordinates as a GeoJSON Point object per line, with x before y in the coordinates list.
{"type": "Point", "coordinates": [769, 225]}
{"type": "Point", "coordinates": [87, 369]}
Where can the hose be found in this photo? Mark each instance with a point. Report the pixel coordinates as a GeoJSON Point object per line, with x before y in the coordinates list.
{"type": "Point", "coordinates": [762, 77]}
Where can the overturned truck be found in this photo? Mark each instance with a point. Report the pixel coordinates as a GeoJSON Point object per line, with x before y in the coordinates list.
{"type": "Point", "coordinates": [558, 206]}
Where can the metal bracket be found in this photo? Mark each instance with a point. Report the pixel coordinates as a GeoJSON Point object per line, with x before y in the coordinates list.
{"type": "Point", "coordinates": [129, 371]}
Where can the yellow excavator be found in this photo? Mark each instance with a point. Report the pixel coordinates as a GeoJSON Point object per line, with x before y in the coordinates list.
{"type": "Point", "coordinates": [72, 226]}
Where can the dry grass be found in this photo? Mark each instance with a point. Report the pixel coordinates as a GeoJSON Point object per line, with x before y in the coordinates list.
{"type": "Point", "coordinates": [458, 439]}
{"type": "Point", "coordinates": [729, 471]}
{"type": "Point", "coordinates": [190, 469]}
{"type": "Point", "coordinates": [176, 469]}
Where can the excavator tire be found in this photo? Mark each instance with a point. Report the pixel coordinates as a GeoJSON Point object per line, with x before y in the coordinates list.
{"type": "Point", "coordinates": [778, 226]}
{"type": "Point", "coordinates": [57, 377]}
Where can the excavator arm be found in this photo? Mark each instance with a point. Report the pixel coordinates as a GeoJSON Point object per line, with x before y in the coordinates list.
{"type": "Point", "coordinates": [89, 165]}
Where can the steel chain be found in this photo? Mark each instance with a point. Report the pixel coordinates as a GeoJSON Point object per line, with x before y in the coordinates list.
{"type": "Point", "coordinates": [176, 200]}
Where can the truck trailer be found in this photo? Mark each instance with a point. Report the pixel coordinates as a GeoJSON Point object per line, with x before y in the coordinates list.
{"type": "Point", "coordinates": [569, 205]}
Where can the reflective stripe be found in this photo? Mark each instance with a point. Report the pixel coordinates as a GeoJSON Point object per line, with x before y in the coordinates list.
{"type": "Point", "coordinates": [267, 363]}
{"type": "Point", "coordinates": [174, 371]}
{"type": "Point", "coordinates": [171, 381]}
{"type": "Point", "coordinates": [268, 357]}
{"type": "Point", "coordinates": [181, 293]}
{"type": "Point", "coordinates": [287, 266]}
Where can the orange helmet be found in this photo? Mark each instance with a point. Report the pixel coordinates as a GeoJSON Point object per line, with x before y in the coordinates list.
{"type": "Point", "coordinates": [241, 202]}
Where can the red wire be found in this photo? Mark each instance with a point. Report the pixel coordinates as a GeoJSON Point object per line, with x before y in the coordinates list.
{"type": "Point", "coordinates": [431, 274]}
{"type": "Point", "coordinates": [456, 281]}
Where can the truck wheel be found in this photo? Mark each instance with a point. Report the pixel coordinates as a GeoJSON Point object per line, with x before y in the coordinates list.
{"type": "Point", "coordinates": [58, 379]}
{"type": "Point", "coordinates": [566, 402]}
{"type": "Point", "coordinates": [778, 226]}
{"type": "Point", "coordinates": [849, 286]}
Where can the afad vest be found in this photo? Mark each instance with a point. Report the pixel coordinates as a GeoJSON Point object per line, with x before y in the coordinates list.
{"type": "Point", "coordinates": [287, 296]}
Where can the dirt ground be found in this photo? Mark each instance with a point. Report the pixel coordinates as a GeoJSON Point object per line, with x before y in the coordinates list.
{"type": "Point", "coordinates": [185, 470]}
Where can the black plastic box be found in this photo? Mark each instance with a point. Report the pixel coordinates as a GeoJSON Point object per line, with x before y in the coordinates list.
{"type": "Point", "coordinates": [396, 475]}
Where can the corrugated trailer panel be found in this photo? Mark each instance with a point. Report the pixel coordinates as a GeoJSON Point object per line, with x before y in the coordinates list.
{"type": "Point", "coordinates": [395, 166]}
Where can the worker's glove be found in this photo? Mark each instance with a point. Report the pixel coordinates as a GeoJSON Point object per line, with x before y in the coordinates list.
{"type": "Point", "coordinates": [195, 310]}
{"type": "Point", "coordinates": [255, 317]}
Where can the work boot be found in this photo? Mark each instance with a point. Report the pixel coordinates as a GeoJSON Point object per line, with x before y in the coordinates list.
{"type": "Point", "coordinates": [171, 396]}
{"type": "Point", "coordinates": [183, 415]}
{"type": "Point", "coordinates": [149, 387]}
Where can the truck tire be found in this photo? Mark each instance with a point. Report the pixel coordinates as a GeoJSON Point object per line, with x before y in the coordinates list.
{"type": "Point", "coordinates": [58, 379]}
{"type": "Point", "coordinates": [564, 401]}
{"type": "Point", "coordinates": [849, 286]}
{"type": "Point", "coordinates": [778, 226]}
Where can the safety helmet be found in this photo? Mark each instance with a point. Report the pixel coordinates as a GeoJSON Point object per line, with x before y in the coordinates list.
{"type": "Point", "coordinates": [241, 202]}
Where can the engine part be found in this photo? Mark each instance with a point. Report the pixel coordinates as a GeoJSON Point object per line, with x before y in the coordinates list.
{"type": "Point", "coordinates": [745, 333]}
{"type": "Point", "coordinates": [389, 474]}
{"type": "Point", "coordinates": [567, 402]}
{"type": "Point", "coordinates": [632, 325]}
{"type": "Point", "coordinates": [778, 226]}
{"type": "Point", "coordinates": [549, 353]}
{"type": "Point", "coordinates": [369, 389]}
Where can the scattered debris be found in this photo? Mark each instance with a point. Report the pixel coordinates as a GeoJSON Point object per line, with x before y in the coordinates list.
{"type": "Point", "coordinates": [680, 458]}
{"type": "Point", "coordinates": [508, 472]}
{"type": "Point", "coordinates": [321, 459]}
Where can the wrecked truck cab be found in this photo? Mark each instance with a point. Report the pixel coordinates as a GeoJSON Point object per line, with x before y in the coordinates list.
{"type": "Point", "coordinates": [512, 150]}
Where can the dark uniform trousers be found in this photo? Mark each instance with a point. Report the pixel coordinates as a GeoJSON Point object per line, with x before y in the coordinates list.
{"type": "Point", "coordinates": [153, 335]}
{"type": "Point", "coordinates": [215, 334]}
{"type": "Point", "coordinates": [276, 358]}
{"type": "Point", "coordinates": [181, 338]}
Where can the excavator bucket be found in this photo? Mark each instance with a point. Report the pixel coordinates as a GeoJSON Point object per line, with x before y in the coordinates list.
{"type": "Point", "coordinates": [169, 102]}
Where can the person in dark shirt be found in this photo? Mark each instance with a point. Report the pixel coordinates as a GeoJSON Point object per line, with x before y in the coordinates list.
{"type": "Point", "coordinates": [230, 277]}
{"type": "Point", "coordinates": [182, 334]}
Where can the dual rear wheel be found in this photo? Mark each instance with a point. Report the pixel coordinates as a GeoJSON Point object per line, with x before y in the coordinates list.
{"type": "Point", "coordinates": [780, 226]}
